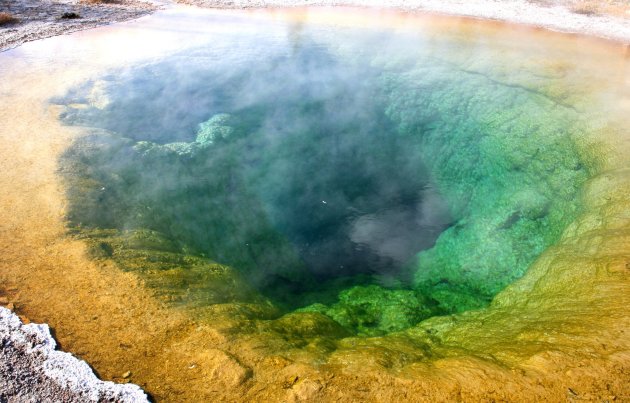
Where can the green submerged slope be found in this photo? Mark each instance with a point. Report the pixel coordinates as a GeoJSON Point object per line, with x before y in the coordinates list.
{"type": "Point", "coordinates": [286, 185]}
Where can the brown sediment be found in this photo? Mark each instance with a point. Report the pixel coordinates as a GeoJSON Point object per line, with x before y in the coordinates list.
{"type": "Point", "coordinates": [559, 333]}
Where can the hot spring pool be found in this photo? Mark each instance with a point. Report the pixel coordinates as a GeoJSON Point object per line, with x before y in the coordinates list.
{"type": "Point", "coordinates": [333, 198]}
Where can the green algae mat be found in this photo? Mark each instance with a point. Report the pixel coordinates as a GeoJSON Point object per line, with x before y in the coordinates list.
{"type": "Point", "coordinates": [338, 181]}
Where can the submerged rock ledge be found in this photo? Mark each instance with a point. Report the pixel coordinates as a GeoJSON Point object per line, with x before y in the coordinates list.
{"type": "Point", "coordinates": [31, 369]}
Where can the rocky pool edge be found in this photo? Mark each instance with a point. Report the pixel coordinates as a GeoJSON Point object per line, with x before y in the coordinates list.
{"type": "Point", "coordinates": [555, 16]}
{"type": "Point", "coordinates": [32, 369]}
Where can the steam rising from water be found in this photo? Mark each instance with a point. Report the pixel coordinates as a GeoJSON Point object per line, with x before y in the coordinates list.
{"type": "Point", "coordinates": [319, 164]}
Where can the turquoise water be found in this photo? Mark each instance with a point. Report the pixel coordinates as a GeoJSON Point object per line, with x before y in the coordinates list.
{"type": "Point", "coordinates": [375, 177]}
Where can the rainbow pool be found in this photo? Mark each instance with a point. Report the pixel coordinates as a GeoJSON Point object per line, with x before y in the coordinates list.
{"type": "Point", "coordinates": [323, 204]}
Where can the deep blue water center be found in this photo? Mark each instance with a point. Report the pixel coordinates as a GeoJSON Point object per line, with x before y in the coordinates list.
{"type": "Point", "coordinates": [374, 177]}
{"type": "Point", "coordinates": [301, 168]}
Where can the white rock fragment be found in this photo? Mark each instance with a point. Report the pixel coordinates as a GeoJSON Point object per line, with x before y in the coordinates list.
{"type": "Point", "coordinates": [31, 370]}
